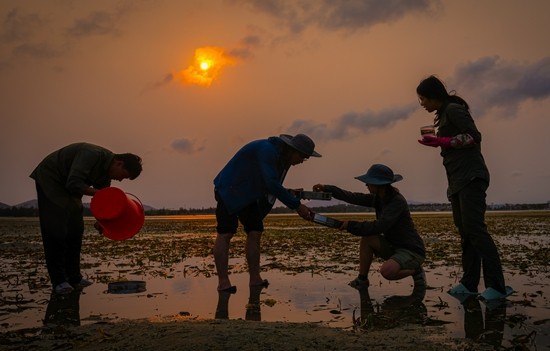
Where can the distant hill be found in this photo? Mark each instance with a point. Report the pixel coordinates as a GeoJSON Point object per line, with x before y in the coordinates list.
{"type": "Point", "coordinates": [3, 205]}
{"type": "Point", "coordinates": [28, 204]}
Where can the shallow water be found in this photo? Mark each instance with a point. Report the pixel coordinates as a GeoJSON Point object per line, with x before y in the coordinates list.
{"type": "Point", "coordinates": [313, 293]}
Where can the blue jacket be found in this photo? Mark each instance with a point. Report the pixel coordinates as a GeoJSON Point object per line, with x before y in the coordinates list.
{"type": "Point", "coordinates": [255, 175]}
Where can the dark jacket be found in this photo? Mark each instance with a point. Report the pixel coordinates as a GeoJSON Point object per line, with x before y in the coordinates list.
{"type": "Point", "coordinates": [64, 174]}
{"type": "Point", "coordinates": [393, 219]}
{"type": "Point", "coordinates": [462, 165]}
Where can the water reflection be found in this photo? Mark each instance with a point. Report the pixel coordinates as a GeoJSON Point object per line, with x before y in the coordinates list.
{"type": "Point", "coordinates": [394, 310]}
{"type": "Point", "coordinates": [62, 311]}
{"type": "Point", "coordinates": [252, 310]}
{"type": "Point", "coordinates": [488, 330]}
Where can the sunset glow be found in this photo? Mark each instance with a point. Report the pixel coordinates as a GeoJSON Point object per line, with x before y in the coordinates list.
{"type": "Point", "coordinates": [207, 65]}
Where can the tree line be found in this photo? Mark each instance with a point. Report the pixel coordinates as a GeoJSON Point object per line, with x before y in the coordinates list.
{"type": "Point", "coordinates": [340, 208]}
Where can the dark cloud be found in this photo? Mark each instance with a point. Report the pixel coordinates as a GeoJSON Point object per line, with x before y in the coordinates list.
{"type": "Point", "coordinates": [353, 124]}
{"type": "Point", "coordinates": [168, 78]}
{"type": "Point", "coordinates": [29, 35]}
{"type": "Point", "coordinates": [41, 50]}
{"type": "Point", "coordinates": [246, 47]}
{"type": "Point", "coordinates": [356, 14]}
{"type": "Point", "coordinates": [18, 27]}
{"type": "Point", "coordinates": [346, 15]}
{"type": "Point", "coordinates": [186, 146]}
{"type": "Point", "coordinates": [96, 23]}
{"type": "Point", "coordinates": [493, 83]}
{"type": "Point", "coordinates": [487, 83]}
{"type": "Point", "coordinates": [105, 22]}
{"type": "Point", "coordinates": [21, 33]}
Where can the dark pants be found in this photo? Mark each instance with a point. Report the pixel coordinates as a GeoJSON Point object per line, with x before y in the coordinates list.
{"type": "Point", "coordinates": [62, 230]}
{"type": "Point", "coordinates": [478, 248]}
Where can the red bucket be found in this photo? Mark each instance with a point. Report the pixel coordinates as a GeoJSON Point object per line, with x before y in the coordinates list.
{"type": "Point", "coordinates": [119, 216]}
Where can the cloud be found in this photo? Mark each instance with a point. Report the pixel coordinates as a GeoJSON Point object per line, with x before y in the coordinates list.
{"type": "Point", "coordinates": [352, 124]}
{"type": "Point", "coordinates": [20, 36]}
{"type": "Point", "coordinates": [168, 78]}
{"type": "Point", "coordinates": [95, 23]}
{"type": "Point", "coordinates": [33, 35]}
{"type": "Point", "coordinates": [493, 83]}
{"type": "Point", "coordinates": [347, 15]}
{"type": "Point", "coordinates": [104, 22]}
{"type": "Point", "coordinates": [246, 47]}
{"type": "Point", "coordinates": [186, 146]}
{"type": "Point", "coordinates": [487, 83]}
{"type": "Point", "coordinates": [18, 27]}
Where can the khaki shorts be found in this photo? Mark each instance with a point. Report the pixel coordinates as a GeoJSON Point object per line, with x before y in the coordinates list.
{"type": "Point", "coordinates": [407, 259]}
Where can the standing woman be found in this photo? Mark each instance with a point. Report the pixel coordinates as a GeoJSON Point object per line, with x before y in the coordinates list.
{"type": "Point", "coordinates": [468, 179]}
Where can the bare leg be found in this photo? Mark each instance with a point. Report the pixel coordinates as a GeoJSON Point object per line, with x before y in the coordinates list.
{"type": "Point", "coordinates": [366, 253]}
{"type": "Point", "coordinates": [221, 257]}
{"type": "Point", "coordinates": [391, 270]}
{"type": "Point", "coordinates": [252, 251]}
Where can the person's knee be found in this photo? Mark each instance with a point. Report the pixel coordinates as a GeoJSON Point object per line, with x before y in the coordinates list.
{"type": "Point", "coordinates": [390, 269]}
{"type": "Point", "coordinates": [224, 238]}
{"type": "Point", "coordinates": [253, 235]}
{"type": "Point", "coordinates": [389, 274]}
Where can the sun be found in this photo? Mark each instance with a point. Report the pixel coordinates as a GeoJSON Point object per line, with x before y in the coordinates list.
{"type": "Point", "coordinates": [206, 66]}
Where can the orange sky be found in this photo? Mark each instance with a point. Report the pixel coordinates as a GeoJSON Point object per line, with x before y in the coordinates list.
{"type": "Point", "coordinates": [113, 73]}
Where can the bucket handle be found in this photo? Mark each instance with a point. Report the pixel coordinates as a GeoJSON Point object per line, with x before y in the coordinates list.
{"type": "Point", "coordinates": [137, 198]}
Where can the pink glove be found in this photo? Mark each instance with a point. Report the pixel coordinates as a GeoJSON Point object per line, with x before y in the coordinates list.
{"type": "Point", "coordinates": [434, 141]}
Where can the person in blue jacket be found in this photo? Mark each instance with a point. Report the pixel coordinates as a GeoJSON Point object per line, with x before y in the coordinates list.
{"type": "Point", "coordinates": [245, 191]}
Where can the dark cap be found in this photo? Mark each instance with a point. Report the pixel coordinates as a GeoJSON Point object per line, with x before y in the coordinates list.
{"type": "Point", "coordinates": [301, 143]}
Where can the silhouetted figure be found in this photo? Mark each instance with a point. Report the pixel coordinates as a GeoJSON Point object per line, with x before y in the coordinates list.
{"type": "Point", "coordinates": [488, 330]}
{"type": "Point", "coordinates": [63, 311]}
{"type": "Point", "coordinates": [393, 311]}
{"type": "Point", "coordinates": [245, 191]}
{"type": "Point", "coordinates": [253, 310]}
{"type": "Point", "coordinates": [62, 178]}
{"type": "Point", "coordinates": [222, 309]}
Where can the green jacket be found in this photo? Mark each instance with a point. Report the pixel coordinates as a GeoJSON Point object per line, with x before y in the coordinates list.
{"type": "Point", "coordinates": [462, 165]}
{"type": "Point", "coordinates": [64, 174]}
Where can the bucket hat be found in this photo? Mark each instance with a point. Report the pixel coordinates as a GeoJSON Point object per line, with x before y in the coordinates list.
{"type": "Point", "coordinates": [379, 175]}
{"type": "Point", "coordinates": [301, 143]}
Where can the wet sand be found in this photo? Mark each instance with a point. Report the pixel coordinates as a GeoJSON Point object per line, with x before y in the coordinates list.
{"type": "Point", "coordinates": [308, 299]}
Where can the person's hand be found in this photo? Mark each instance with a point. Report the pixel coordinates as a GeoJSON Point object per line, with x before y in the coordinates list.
{"type": "Point", "coordinates": [344, 226]}
{"type": "Point", "coordinates": [434, 141]}
{"type": "Point", "coordinates": [318, 187]}
{"type": "Point", "coordinates": [295, 192]}
{"type": "Point", "coordinates": [98, 227]}
{"type": "Point", "coordinates": [304, 212]}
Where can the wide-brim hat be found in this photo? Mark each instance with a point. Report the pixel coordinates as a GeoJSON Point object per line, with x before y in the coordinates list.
{"type": "Point", "coordinates": [301, 143]}
{"type": "Point", "coordinates": [379, 175]}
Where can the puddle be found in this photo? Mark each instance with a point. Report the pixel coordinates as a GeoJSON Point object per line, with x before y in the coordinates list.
{"type": "Point", "coordinates": [304, 285]}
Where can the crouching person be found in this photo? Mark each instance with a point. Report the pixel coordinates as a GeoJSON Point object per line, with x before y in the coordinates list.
{"type": "Point", "coordinates": [392, 236]}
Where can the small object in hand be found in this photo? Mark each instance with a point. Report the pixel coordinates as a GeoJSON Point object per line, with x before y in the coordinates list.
{"type": "Point", "coordinates": [314, 195]}
{"type": "Point", "coordinates": [327, 221]}
{"type": "Point", "coordinates": [427, 131]}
